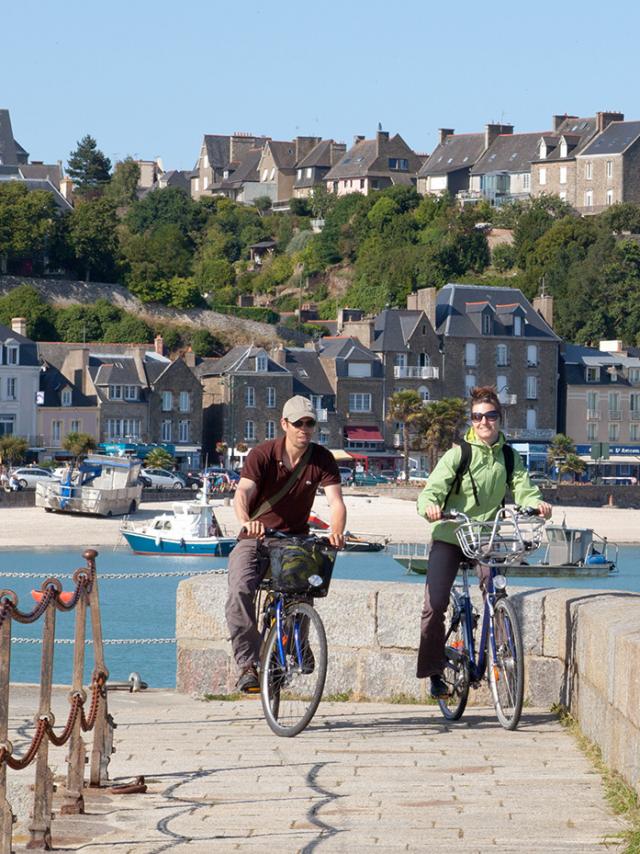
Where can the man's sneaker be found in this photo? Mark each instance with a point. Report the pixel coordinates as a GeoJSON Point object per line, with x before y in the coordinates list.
{"type": "Point", "coordinates": [248, 681]}
{"type": "Point", "coordinates": [439, 688]}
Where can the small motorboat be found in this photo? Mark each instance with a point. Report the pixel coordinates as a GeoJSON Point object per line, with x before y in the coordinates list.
{"type": "Point", "coordinates": [353, 542]}
{"type": "Point", "coordinates": [189, 529]}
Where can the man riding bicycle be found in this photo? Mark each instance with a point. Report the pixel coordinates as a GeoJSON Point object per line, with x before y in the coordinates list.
{"type": "Point", "coordinates": [477, 488]}
{"type": "Point", "coordinates": [276, 491]}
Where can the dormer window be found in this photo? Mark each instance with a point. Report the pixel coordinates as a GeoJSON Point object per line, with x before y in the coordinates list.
{"type": "Point", "coordinates": [115, 392]}
{"type": "Point", "coordinates": [12, 354]}
{"type": "Point", "coordinates": [517, 325]}
{"type": "Point", "coordinates": [487, 325]}
{"type": "Point", "coordinates": [261, 364]}
{"type": "Point", "coordinates": [564, 148]}
{"type": "Point", "coordinates": [592, 375]}
{"type": "Point", "coordinates": [543, 150]}
{"type": "Point", "coordinates": [65, 397]}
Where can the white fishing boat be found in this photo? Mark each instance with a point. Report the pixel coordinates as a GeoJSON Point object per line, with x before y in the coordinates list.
{"type": "Point", "coordinates": [101, 485]}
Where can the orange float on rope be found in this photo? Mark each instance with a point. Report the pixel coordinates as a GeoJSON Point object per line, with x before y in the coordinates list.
{"type": "Point", "coordinates": [64, 596]}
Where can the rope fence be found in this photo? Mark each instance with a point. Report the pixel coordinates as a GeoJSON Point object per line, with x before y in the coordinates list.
{"type": "Point", "coordinates": [49, 600]}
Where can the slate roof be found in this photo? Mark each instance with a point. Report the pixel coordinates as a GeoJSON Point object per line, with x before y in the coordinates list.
{"type": "Point", "coordinates": [370, 157]}
{"type": "Point", "coordinates": [246, 170]}
{"type": "Point", "coordinates": [218, 149]}
{"type": "Point", "coordinates": [120, 371]}
{"type": "Point", "coordinates": [508, 153]}
{"type": "Point", "coordinates": [320, 155]}
{"type": "Point", "coordinates": [283, 153]}
{"type": "Point", "coordinates": [237, 360]}
{"type": "Point", "coordinates": [614, 139]}
{"type": "Point", "coordinates": [458, 151]}
{"type": "Point", "coordinates": [456, 302]}
{"type": "Point", "coordinates": [43, 171]}
{"type": "Point", "coordinates": [45, 185]}
{"type": "Point", "coordinates": [576, 130]}
{"type": "Point", "coordinates": [176, 178]}
{"type": "Point", "coordinates": [53, 383]}
{"type": "Point", "coordinates": [575, 358]}
{"type": "Point", "coordinates": [308, 374]}
{"type": "Point", "coordinates": [28, 348]}
{"type": "Point", "coordinates": [393, 328]}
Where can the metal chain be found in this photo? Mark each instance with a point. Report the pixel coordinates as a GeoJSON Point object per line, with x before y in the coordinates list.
{"type": "Point", "coordinates": [112, 642]}
{"type": "Point", "coordinates": [119, 575]}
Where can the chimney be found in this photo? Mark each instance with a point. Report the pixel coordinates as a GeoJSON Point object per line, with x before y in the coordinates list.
{"type": "Point", "coordinates": [337, 152]}
{"type": "Point", "coordinates": [424, 299]}
{"type": "Point", "coordinates": [240, 144]}
{"type": "Point", "coordinates": [382, 136]}
{"type": "Point", "coordinates": [279, 355]}
{"type": "Point", "coordinates": [66, 188]}
{"type": "Point", "coordinates": [491, 131]}
{"type": "Point", "coordinates": [543, 304]}
{"type": "Point", "coordinates": [75, 368]}
{"type": "Point", "coordinates": [358, 138]}
{"type": "Point", "coordinates": [444, 133]}
{"type": "Point", "coordinates": [189, 358]}
{"type": "Point", "coordinates": [19, 325]}
{"type": "Point", "coordinates": [603, 120]}
{"type": "Point", "coordinates": [360, 329]}
{"type": "Point", "coordinates": [158, 345]}
{"type": "Point", "coordinates": [556, 121]}
{"type": "Point", "coordinates": [304, 144]}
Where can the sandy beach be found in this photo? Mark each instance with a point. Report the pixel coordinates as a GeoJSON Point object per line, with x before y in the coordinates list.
{"type": "Point", "coordinates": [32, 527]}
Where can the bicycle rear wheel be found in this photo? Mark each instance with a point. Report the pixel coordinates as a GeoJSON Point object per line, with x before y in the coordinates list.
{"type": "Point", "coordinates": [293, 669]}
{"type": "Point", "coordinates": [457, 671]}
{"type": "Point", "coordinates": [506, 666]}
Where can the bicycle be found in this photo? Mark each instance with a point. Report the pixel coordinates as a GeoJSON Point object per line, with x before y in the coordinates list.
{"type": "Point", "coordinates": [293, 659]}
{"type": "Point", "coordinates": [511, 534]}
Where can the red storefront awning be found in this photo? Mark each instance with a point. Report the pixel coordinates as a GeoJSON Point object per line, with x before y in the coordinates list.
{"type": "Point", "coordinates": [363, 434]}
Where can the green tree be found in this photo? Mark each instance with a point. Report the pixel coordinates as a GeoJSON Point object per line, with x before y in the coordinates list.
{"type": "Point", "coordinates": [28, 223]}
{"type": "Point", "coordinates": [571, 465]}
{"type": "Point", "coordinates": [561, 448]}
{"type": "Point", "coordinates": [88, 167]}
{"type": "Point", "coordinates": [122, 188]}
{"type": "Point", "coordinates": [169, 206]}
{"type": "Point", "coordinates": [503, 257]}
{"type": "Point", "coordinates": [184, 293]}
{"type": "Point", "coordinates": [128, 330]}
{"type": "Point", "coordinates": [322, 201]}
{"type": "Point", "coordinates": [262, 204]}
{"type": "Point", "coordinates": [203, 343]}
{"type": "Point", "coordinates": [78, 323]}
{"type": "Point", "coordinates": [405, 407]}
{"type": "Point", "coordinates": [25, 301]}
{"type": "Point", "coordinates": [13, 449]}
{"type": "Point", "coordinates": [93, 238]}
{"type": "Point", "coordinates": [441, 423]}
{"type": "Point", "coordinates": [79, 445]}
{"type": "Point", "coordinates": [156, 257]}
{"type": "Point", "coordinates": [158, 458]}
{"type": "Point", "coordinates": [622, 217]}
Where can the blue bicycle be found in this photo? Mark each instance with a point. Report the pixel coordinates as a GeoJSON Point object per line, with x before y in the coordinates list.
{"type": "Point", "coordinates": [499, 651]}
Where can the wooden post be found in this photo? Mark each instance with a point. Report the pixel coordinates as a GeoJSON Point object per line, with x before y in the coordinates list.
{"type": "Point", "coordinates": [6, 816]}
{"type": "Point", "coordinates": [74, 800]}
{"type": "Point", "coordinates": [103, 732]}
{"type": "Point", "coordinates": [40, 827]}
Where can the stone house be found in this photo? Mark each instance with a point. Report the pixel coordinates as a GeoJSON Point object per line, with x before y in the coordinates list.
{"type": "Point", "coordinates": [448, 169]}
{"type": "Point", "coordinates": [608, 168]}
{"type": "Point", "coordinates": [243, 182]}
{"type": "Point", "coordinates": [277, 167]}
{"type": "Point", "coordinates": [19, 382]}
{"type": "Point", "coordinates": [218, 158]}
{"type": "Point", "coordinates": [373, 164]}
{"type": "Point", "coordinates": [313, 168]}
{"type": "Point", "coordinates": [553, 170]}
{"type": "Point", "coordinates": [503, 173]}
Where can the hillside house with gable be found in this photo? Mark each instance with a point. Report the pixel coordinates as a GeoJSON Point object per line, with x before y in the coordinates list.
{"type": "Point", "coordinates": [373, 164]}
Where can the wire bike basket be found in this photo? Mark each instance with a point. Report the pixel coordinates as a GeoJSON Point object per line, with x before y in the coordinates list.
{"type": "Point", "coordinates": [507, 537]}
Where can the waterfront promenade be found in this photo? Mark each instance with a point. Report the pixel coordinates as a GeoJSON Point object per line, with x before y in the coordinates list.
{"type": "Point", "coordinates": [363, 776]}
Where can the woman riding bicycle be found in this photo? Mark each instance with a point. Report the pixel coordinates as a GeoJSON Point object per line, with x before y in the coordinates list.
{"type": "Point", "coordinates": [479, 492]}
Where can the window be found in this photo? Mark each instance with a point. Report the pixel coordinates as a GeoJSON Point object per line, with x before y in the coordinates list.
{"type": "Point", "coordinates": [299, 174]}
{"type": "Point", "coordinates": [563, 174]}
{"type": "Point", "coordinates": [517, 325]}
{"type": "Point", "coordinates": [205, 161]}
{"type": "Point", "coordinates": [115, 392]}
{"type": "Point", "coordinates": [588, 170]}
{"type": "Point", "coordinates": [167, 401]}
{"type": "Point", "coordinates": [609, 198]}
{"type": "Point", "coordinates": [265, 174]}
{"type": "Point", "coordinates": [532, 355]}
{"type": "Point", "coordinates": [76, 426]}
{"type": "Point", "coordinates": [592, 431]}
{"type": "Point", "coordinates": [123, 428]}
{"type": "Point", "coordinates": [634, 402]}
{"type": "Point", "coordinates": [56, 432]}
{"type": "Point", "coordinates": [564, 148]}
{"type": "Point", "coordinates": [65, 397]}
{"type": "Point", "coordinates": [249, 396]}
{"type": "Point", "coordinates": [543, 176]}
{"type": "Point", "coordinates": [309, 171]}
{"type": "Point", "coordinates": [400, 360]}
{"type": "Point", "coordinates": [613, 431]}
{"type": "Point", "coordinates": [270, 430]}
{"type": "Point", "coordinates": [7, 425]}
{"type": "Point", "coordinates": [249, 430]}
{"type": "Point", "coordinates": [424, 360]}
{"type": "Point", "coordinates": [362, 183]}
{"type": "Point", "coordinates": [197, 185]}
{"type": "Point", "coordinates": [592, 375]}
{"type": "Point", "coordinates": [271, 397]}
{"type": "Point", "coordinates": [470, 354]}
{"type": "Point", "coordinates": [184, 431]}
{"type": "Point", "coordinates": [526, 180]}
{"type": "Point", "coordinates": [532, 388]}
{"type": "Point", "coordinates": [634, 431]}
{"type": "Point", "coordinates": [634, 375]}
{"type": "Point", "coordinates": [592, 400]}
{"type": "Point", "coordinates": [205, 182]}
{"type": "Point", "coordinates": [165, 430]}
{"type": "Point", "coordinates": [261, 363]}
{"type": "Point", "coordinates": [532, 418]}
{"type": "Point", "coordinates": [469, 383]}
{"type": "Point", "coordinates": [323, 437]}
{"type": "Point", "coordinates": [502, 355]}
{"type": "Point", "coordinates": [360, 402]}
{"type": "Point", "coordinates": [359, 369]}
{"type": "Point", "coordinates": [185, 401]}
{"type": "Point", "coordinates": [399, 164]}
{"type": "Point", "coordinates": [131, 392]}
{"type": "Point", "coordinates": [609, 168]}
{"type": "Point", "coordinates": [614, 404]}
{"type": "Point", "coordinates": [12, 388]}
{"type": "Point", "coordinates": [486, 323]}
{"type": "Point", "coordinates": [423, 391]}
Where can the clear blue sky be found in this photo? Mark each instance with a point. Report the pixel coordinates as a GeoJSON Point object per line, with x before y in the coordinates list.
{"type": "Point", "coordinates": [150, 78]}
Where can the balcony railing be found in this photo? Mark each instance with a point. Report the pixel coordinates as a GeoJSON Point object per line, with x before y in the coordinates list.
{"type": "Point", "coordinates": [634, 414]}
{"type": "Point", "coordinates": [615, 415]}
{"type": "Point", "coordinates": [428, 372]}
{"type": "Point", "coordinates": [321, 415]}
{"type": "Point", "coordinates": [593, 415]}
{"type": "Point", "coordinates": [508, 399]}
{"type": "Point", "coordinates": [530, 433]}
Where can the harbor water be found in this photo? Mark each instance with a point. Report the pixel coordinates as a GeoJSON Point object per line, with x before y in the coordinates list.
{"type": "Point", "coordinates": [140, 605]}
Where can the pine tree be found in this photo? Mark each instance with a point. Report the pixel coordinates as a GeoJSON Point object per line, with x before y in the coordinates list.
{"type": "Point", "coordinates": [88, 167]}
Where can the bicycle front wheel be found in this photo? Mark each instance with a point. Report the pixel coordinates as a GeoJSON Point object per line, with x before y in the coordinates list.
{"type": "Point", "coordinates": [457, 671]}
{"type": "Point", "coordinates": [293, 669]}
{"type": "Point", "coordinates": [506, 665]}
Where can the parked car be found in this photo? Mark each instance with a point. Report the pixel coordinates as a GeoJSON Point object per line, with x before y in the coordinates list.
{"type": "Point", "coordinates": [192, 479]}
{"type": "Point", "coordinates": [163, 479]}
{"type": "Point", "coordinates": [367, 478]}
{"type": "Point", "coordinates": [28, 476]}
{"type": "Point", "coordinates": [145, 482]}
{"type": "Point", "coordinates": [346, 473]}
{"type": "Point", "coordinates": [415, 476]}
{"type": "Point", "coordinates": [212, 471]}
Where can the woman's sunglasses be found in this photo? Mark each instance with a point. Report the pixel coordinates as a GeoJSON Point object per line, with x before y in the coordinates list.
{"type": "Point", "coordinates": [491, 415]}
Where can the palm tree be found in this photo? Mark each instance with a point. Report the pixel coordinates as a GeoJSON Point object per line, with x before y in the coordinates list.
{"type": "Point", "coordinates": [13, 449]}
{"type": "Point", "coordinates": [78, 444]}
{"type": "Point", "coordinates": [440, 425]}
{"type": "Point", "coordinates": [405, 407]}
{"type": "Point", "coordinates": [159, 458]}
{"type": "Point", "coordinates": [572, 464]}
{"type": "Point", "coordinates": [560, 449]}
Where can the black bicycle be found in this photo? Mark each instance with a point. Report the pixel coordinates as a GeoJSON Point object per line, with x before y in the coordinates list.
{"type": "Point", "coordinates": [293, 660]}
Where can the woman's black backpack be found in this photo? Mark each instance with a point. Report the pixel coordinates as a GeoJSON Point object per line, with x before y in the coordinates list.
{"type": "Point", "coordinates": [463, 467]}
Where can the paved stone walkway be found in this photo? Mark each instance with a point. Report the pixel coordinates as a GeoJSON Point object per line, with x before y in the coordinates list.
{"type": "Point", "coordinates": [362, 777]}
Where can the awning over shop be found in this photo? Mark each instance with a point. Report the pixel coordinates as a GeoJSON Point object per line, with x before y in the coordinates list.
{"type": "Point", "coordinates": [341, 455]}
{"type": "Point", "coordinates": [621, 459]}
{"type": "Point", "coordinates": [363, 434]}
